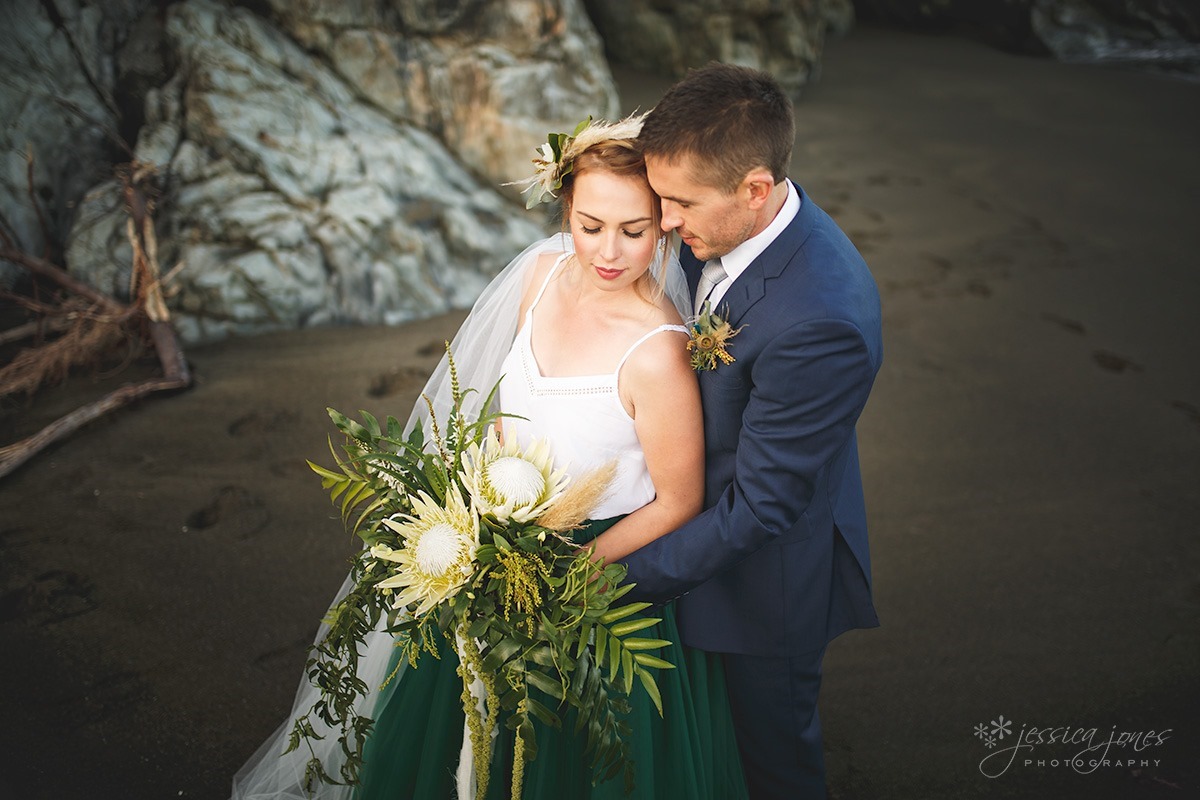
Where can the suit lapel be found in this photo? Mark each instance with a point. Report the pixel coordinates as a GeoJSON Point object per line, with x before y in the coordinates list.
{"type": "Point", "coordinates": [751, 285]}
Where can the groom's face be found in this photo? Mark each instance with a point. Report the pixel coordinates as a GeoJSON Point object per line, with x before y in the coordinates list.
{"type": "Point", "coordinates": [710, 221]}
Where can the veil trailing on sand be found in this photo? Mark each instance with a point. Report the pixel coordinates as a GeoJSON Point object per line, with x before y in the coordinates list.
{"type": "Point", "coordinates": [479, 349]}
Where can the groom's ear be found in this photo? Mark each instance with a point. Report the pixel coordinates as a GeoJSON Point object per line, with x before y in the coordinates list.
{"type": "Point", "coordinates": [757, 187]}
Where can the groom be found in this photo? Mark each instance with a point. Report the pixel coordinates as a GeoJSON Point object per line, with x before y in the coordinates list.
{"type": "Point", "coordinates": [777, 565]}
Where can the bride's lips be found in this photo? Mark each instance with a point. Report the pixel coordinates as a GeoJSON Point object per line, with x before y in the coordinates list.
{"type": "Point", "coordinates": [608, 274]}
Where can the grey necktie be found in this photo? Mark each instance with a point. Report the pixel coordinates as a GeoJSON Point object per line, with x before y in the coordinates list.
{"type": "Point", "coordinates": [712, 275]}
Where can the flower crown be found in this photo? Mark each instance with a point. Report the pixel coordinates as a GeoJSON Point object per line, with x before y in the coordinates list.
{"type": "Point", "coordinates": [556, 158]}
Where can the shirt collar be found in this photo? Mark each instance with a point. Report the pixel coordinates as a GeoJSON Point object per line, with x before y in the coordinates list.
{"type": "Point", "coordinates": [737, 260]}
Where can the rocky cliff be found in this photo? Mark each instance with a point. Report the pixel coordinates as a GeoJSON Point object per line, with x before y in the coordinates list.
{"type": "Point", "coordinates": [315, 162]}
{"type": "Point", "coordinates": [1163, 34]}
{"type": "Point", "coordinates": [784, 37]}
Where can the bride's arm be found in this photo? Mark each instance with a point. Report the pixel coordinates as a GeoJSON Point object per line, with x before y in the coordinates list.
{"type": "Point", "coordinates": [662, 387]}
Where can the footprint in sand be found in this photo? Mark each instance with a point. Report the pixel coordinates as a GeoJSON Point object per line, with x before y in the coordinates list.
{"type": "Point", "coordinates": [233, 511]}
{"type": "Point", "coordinates": [1074, 326]}
{"type": "Point", "coordinates": [978, 288]}
{"type": "Point", "coordinates": [1115, 363]}
{"type": "Point", "coordinates": [1188, 410]}
{"type": "Point", "coordinates": [397, 381]}
{"type": "Point", "coordinates": [432, 348]}
{"type": "Point", "coordinates": [265, 421]}
{"type": "Point", "coordinates": [52, 596]}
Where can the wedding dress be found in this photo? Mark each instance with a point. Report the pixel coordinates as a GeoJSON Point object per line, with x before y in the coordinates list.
{"type": "Point", "coordinates": [688, 753]}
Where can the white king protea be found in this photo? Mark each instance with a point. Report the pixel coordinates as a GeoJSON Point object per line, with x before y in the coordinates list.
{"type": "Point", "coordinates": [438, 556]}
{"type": "Point", "coordinates": [509, 483]}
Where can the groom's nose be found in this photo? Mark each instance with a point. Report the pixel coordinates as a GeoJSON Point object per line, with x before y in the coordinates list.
{"type": "Point", "coordinates": [671, 218]}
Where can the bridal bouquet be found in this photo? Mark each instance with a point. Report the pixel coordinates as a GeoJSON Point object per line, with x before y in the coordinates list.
{"type": "Point", "coordinates": [466, 539]}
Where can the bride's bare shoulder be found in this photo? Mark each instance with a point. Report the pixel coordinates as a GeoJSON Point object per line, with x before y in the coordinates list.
{"type": "Point", "coordinates": [535, 276]}
{"type": "Point", "coordinates": [666, 312]}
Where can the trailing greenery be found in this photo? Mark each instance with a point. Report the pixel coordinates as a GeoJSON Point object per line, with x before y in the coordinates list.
{"type": "Point", "coordinates": [535, 619]}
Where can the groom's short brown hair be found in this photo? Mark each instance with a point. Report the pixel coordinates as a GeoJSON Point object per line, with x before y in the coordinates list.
{"type": "Point", "coordinates": [728, 120]}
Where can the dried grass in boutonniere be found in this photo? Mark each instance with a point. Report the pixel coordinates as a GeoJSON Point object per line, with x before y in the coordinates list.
{"type": "Point", "coordinates": [710, 338]}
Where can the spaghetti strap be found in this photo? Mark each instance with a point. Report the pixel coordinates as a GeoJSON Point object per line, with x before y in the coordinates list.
{"type": "Point", "coordinates": [545, 283]}
{"type": "Point", "coordinates": [643, 338]}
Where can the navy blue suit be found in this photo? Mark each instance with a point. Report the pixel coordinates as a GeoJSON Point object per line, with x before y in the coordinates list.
{"type": "Point", "coordinates": [777, 564]}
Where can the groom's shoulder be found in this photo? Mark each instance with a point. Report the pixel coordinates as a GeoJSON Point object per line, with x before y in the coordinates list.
{"type": "Point", "coordinates": [826, 277]}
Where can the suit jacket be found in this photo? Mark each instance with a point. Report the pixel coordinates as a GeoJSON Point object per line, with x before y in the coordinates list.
{"type": "Point", "coordinates": [777, 564]}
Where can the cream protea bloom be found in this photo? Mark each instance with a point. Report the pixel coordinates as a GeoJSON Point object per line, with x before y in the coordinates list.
{"type": "Point", "coordinates": [438, 556]}
{"type": "Point", "coordinates": [509, 483]}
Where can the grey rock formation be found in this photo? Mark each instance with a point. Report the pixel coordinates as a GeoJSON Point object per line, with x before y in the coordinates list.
{"type": "Point", "coordinates": [325, 162]}
{"type": "Point", "coordinates": [1160, 33]}
{"type": "Point", "coordinates": [1164, 33]}
{"type": "Point", "coordinates": [486, 78]}
{"type": "Point", "coordinates": [59, 102]}
{"type": "Point", "coordinates": [783, 37]}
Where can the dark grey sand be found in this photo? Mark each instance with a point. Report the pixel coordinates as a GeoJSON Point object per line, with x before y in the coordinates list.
{"type": "Point", "coordinates": [1031, 454]}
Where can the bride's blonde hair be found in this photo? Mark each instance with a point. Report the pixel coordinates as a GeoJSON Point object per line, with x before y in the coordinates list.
{"type": "Point", "coordinates": [621, 158]}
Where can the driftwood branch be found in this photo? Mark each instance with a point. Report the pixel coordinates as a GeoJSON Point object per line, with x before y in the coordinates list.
{"type": "Point", "coordinates": [147, 306]}
{"type": "Point", "coordinates": [52, 272]}
{"type": "Point", "coordinates": [29, 329]}
{"type": "Point", "coordinates": [14, 455]}
{"type": "Point", "coordinates": [47, 238]}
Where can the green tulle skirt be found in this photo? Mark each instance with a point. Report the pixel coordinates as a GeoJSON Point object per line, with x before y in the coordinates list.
{"type": "Point", "coordinates": [689, 753]}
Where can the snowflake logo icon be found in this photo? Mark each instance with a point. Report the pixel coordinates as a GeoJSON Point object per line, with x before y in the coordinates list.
{"type": "Point", "coordinates": [1001, 727]}
{"type": "Point", "coordinates": [989, 741]}
{"type": "Point", "coordinates": [981, 731]}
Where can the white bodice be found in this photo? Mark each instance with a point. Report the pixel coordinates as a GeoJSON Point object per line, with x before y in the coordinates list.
{"type": "Point", "coordinates": [581, 415]}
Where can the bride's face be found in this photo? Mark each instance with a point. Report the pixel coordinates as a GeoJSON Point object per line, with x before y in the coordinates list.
{"type": "Point", "coordinates": [612, 221]}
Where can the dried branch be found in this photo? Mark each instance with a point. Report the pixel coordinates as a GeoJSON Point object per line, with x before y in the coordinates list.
{"type": "Point", "coordinates": [33, 201]}
{"type": "Point", "coordinates": [35, 328]}
{"type": "Point", "coordinates": [7, 232]}
{"type": "Point", "coordinates": [95, 329]}
{"type": "Point", "coordinates": [45, 269]}
{"type": "Point", "coordinates": [50, 363]}
{"type": "Point", "coordinates": [14, 455]}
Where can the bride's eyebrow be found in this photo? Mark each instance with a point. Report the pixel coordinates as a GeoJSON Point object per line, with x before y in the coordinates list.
{"type": "Point", "coordinates": [626, 222]}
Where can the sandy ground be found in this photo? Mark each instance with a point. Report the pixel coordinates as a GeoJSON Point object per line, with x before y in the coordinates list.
{"type": "Point", "coordinates": [1031, 454]}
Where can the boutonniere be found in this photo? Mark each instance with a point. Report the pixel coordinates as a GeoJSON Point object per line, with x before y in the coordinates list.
{"type": "Point", "coordinates": [709, 342]}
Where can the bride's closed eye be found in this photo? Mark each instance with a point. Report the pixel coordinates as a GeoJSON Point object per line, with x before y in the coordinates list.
{"type": "Point", "coordinates": [629, 234]}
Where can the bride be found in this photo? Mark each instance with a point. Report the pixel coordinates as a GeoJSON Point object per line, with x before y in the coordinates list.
{"type": "Point", "coordinates": [585, 330]}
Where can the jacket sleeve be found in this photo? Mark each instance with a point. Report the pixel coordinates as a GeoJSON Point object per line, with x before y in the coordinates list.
{"type": "Point", "coordinates": [810, 384]}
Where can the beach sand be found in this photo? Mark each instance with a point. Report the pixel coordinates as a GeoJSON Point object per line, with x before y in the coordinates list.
{"type": "Point", "coordinates": [1031, 453]}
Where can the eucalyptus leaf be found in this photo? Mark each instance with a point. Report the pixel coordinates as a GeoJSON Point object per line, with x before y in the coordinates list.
{"type": "Point", "coordinates": [545, 715]}
{"type": "Point", "coordinates": [633, 643]}
{"type": "Point", "coordinates": [633, 625]}
{"type": "Point", "coordinates": [499, 654]}
{"type": "Point", "coordinates": [647, 660]}
{"type": "Point", "coordinates": [622, 612]}
{"type": "Point", "coordinates": [545, 684]}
